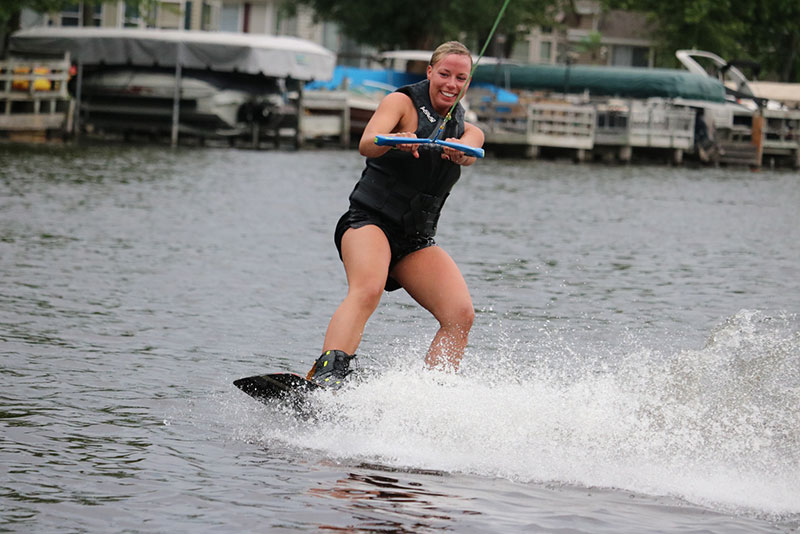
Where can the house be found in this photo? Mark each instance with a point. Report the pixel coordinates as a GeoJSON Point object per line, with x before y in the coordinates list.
{"type": "Point", "coordinates": [590, 35]}
{"type": "Point", "coordinates": [586, 35]}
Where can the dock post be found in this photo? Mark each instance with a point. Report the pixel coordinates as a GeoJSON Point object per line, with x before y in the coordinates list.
{"type": "Point", "coordinates": [176, 103]}
{"type": "Point", "coordinates": [255, 133]}
{"type": "Point", "coordinates": [531, 151]}
{"type": "Point", "coordinates": [78, 92]}
{"type": "Point", "coordinates": [757, 136]}
{"type": "Point", "coordinates": [345, 123]}
{"type": "Point", "coordinates": [299, 139]}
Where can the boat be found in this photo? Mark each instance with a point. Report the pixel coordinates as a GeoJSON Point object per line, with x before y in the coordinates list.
{"type": "Point", "coordinates": [738, 88]}
{"type": "Point", "coordinates": [759, 119]}
{"type": "Point", "coordinates": [142, 97]}
{"type": "Point", "coordinates": [596, 81]}
{"type": "Point", "coordinates": [206, 83]}
{"type": "Point", "coordinates": [592, 111]}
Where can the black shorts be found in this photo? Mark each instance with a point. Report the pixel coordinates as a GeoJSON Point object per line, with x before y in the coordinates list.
{"type": "Point", "coordinates": [400, 244]}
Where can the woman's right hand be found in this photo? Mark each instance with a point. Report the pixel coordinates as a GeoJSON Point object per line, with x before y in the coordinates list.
{"type": "Point", "coordinates": [407, 147]}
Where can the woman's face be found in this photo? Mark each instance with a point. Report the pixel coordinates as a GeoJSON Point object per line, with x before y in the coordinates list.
{"type": "Point", "coordinates": [448, 76]}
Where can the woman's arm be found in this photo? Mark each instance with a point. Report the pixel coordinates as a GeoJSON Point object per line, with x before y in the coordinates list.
{"type": "Point", "coordinates": [395, 113]}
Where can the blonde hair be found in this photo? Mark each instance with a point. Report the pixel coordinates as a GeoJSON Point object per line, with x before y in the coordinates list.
{"type": "Point", "coordinates": [450, 47]}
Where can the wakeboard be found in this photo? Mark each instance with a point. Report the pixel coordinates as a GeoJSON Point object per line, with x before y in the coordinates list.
{"type": "Point", "coordinates": [276, 387]}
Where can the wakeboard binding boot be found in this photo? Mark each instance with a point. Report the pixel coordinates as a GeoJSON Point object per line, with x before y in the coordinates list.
{"type": "Point", "coordinates": [331, 368]}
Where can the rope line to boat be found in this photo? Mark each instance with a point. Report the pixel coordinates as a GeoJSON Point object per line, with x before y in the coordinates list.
{"type": "Point", "coordinates": [474, 66]}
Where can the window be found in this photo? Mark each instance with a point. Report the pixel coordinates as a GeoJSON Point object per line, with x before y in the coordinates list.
{"type": "Point", "coordinates": [230, 21]}
{"type": "Point", "coordinates": [187, 15]}
{"type": "Point", "coordinates": [72, 15]}
{"type": "Point", "coordinates": [132, 17]}
{"type": "Point", "coordinates": [208, 17]}
{"type": "Point", "coordinates": [630, 56]}
{"type": "Point", "coordinates": [641, 56]}
{"type": "Point", "coordinates": [622, 56]}
{"type": "Point", "coordinates": [545, 51]}
{"type": "Point", "coordinates": [561, 53]}
{"type": "Point", "coordinates": [170, 15]}
{"type": "Point", "coordinates": [520, 51]}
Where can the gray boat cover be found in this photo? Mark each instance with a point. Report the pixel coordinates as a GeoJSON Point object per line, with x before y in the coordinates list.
{"type": "Point", "coordinates": [604, 81]}
{"type": "Point", "coordinates": [220, 51]}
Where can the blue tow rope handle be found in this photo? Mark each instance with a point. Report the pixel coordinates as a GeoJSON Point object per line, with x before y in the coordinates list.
{"type": "Point", "coordinates": [389, 140]}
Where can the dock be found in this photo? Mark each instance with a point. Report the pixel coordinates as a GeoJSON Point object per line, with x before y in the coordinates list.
{"type": "Point", "coordinates": [633, 125]}
{"type": "Point", "coordinates": [334, 116]}
{"type": "Point", "coordinates": [781, 137]}
{"type": "Point", "coordinates": [608, 129]}
{"type": "Point", "coordinates": [615, 130]}
{"type": "Point", "coordinates": [528, 128]}
{"type": "Point", "coordinates": [35, 104]}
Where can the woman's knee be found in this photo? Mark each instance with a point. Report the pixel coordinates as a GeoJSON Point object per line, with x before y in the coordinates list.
{"type": "Point", "coordinates": [366, 296]}
{"type": "Point", "coordinates": [459, 315]}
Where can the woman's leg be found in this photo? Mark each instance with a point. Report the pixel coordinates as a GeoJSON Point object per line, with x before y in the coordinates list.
{"type": "Point", "coordinates": [366, 255]}
{"type": "Point", "coordinates": [433, 279]}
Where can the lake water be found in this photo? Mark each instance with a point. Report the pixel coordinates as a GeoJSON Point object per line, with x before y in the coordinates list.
{"type": "Point", "coordinates": [634, 365]}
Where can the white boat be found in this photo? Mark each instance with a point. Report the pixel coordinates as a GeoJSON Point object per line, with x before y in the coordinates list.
{"type": "Point", "coordinates": [773, 135]}
{"type": "Point", "coordinates": [280, 57]}
{"type": "Point", "coordinates": [224, 104]}
{"type": "Point", "coordinates": [213, 83]}
{"type": "Point", "coordinates": [740, 89]}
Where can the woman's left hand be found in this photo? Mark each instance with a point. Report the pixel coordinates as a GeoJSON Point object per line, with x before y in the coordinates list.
{"type": "Point", "coordinates": [455, 155]}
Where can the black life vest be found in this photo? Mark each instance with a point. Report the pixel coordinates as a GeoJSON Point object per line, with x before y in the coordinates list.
{"type": "Point", "coordinates": [409, 191]}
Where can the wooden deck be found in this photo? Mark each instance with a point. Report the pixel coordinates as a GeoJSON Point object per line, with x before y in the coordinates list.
{"type": "Point", "coordinates": [615, 129]}
{"type": "Point", "coordinates": [782, 136]}
{"type": "Point", "coordinates": [538, 125]}
{"type": "Point", "coordinates": [338, 116]}
{"type": "Point", "coordinates": [34, 101]}
{"type": "Point", "coordinates": [599, 127]}
{"type": "Point", "coordinates": [624, 127]}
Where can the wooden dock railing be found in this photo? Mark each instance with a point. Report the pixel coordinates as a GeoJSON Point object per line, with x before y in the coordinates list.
{"type": "Point", "coordinates": [34, 99]}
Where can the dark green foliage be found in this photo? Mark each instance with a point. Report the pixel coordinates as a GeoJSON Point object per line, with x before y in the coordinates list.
{"type": "Point", "coordinates": [423, 25]}
{"type": "Point", "coordinates": [767, 32]}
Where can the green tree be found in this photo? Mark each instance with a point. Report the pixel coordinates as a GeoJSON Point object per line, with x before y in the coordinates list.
{"type": "Point", "coordinates": [9, 9]}
{"type": "Point", "coordinates": [389, 25]}
{"type": "Point", "coordinates": [766, 32]}
{"type": "Point", "coordinates": [775, 38]}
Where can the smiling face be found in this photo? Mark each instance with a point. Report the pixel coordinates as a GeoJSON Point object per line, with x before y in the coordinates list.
{"type": "Point", "coordinates": [448, 76]}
